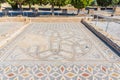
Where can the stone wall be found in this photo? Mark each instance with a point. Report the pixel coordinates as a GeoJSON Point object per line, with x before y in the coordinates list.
{"type": "Point", "coordinates": [44, 19]}
{"type": "Point", "coordinates": [12, 19]}
{"type": "Point", "coordinates": [59, 19]}
{"type": "Point", "coordinates": [107, 38]}
{"type": "Point", "coordinates": [117, 11]}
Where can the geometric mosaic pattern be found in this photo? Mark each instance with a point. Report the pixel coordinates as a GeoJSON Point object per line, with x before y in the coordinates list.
{"type": "Point", "coordinates": [58, 51]}
{"type": "Point", "coordinates": [51, 44]}
{"type": "Point", "coordinates": [56, 42]}
{"type": "Point", "coordinates": [59, 72]}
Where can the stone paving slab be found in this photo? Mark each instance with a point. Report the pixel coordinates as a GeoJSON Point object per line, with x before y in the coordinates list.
{"type": "Point", "coordinates": [113, 28]}
{"type": "Point", "coordinates": [58, 51]}
{"type": "Point", "coordinates": [8, 28]}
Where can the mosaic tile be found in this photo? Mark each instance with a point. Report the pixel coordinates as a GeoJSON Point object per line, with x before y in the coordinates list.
{"type": "Point", "coordinates": [63, 71]}
{"type": "Point", "coordinates": [58, 51]}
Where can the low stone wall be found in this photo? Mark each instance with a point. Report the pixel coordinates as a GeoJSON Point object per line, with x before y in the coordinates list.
{"type": "Point", "coordinates": [117, 11]}
{"type": "Point", "coordinates": [107, 38]}
{"type": "Point", "coordinates": [44, 19]}
{"type": "Point", "coordinates": [58, 19]}
{"type": "Point", "coordinates": [12, 19]}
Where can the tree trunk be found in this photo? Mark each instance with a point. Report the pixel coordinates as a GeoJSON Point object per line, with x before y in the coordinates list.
{"type": "Point", "coordinates": [114, 7]}
{"type": "Point", "coordinates": [0, 5]}
{"type": "Point", "coordinates": [98, 8]}
{"type": "Point", "coordinates": [59, 6]}
{"type": "Point", "coordinates": [20, 6]}
{"type": "Point", "coordinates": [105, 8]}
{"type": "Point", "coordinates": [14, 6]}
{"type": "Point", "coordinates": [78, 11]}
{"type": "Point", "coordinates": [83, 10]}
{"type": "Point", "coordinates": [52, 9]}
{"type": "Point", "coordinates": [30, 6]}
{"type": "Point", "coordinates": [114, 10]}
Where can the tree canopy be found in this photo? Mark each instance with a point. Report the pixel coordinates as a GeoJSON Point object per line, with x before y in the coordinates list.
{"type": "Point", "coordinates": [1, 1]}
{"type": "Point", "coordinates": [103, 3]}
{"type": "Point", "coordinates": [80, 4]}
{"type": "Point", "coordinates": [106, 3]}
{"type": "Point", "coordinates": [115, 2]}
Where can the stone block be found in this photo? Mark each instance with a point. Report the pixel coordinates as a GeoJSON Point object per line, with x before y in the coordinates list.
{"type": "Point", "coordinates": [98, 9]}
{"type": "Point", "coordinates": [64, 11]}
{"type": "Point", "coordinates": [91, 11]}
{"type": "Point", "coordinates": [117, 11]}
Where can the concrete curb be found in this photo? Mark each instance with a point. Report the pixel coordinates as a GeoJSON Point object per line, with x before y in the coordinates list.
{"type": "Point", "coordinates": [107, 38]}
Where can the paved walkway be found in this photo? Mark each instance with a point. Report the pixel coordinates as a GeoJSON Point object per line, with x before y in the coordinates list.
{"type": "Point", "coordinates": [58, 51]}
{"type": "Point", "coordinates": [111, 27]}
{"type": "Point", "coordinates": [6, 27]}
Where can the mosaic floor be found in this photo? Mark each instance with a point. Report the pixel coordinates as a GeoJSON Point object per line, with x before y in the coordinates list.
{"type": "Point", "coordinates": [58, 51]}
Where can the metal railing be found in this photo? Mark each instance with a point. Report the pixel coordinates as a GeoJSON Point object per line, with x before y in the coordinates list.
{"type": "Point", "coordinates": [107, 19]}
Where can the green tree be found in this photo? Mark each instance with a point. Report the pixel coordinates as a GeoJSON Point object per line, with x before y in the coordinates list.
{"type": "Point", "coordinates": [80, 4]}
{"type": "Point", "coordinates": [1, 1]}
{"type": "Point", "coordinates": [31, 2]}
{"type": "Point", "coordinates": [13, 4]}
{"type": "Point", "coordinates": [119, 2]}
{"type": "Point", "coordinates": [36, 2]}
{"type": "Point", "coordinates": [43, 2]}
{"type": "Point", "coordinates": [94, 3]}
{"type": "Point", "coordinates": [115, 2]}
{"type": "Point", "coordinates": [54, 3]}
{"type": "Point", "coordinates": [20, 3]}
{"type": "Point", "coordinates": [62, 3]}
{"type": "Point", "coordinates": [104, 3]}
{"type": "Point", "coordinates": [88, 2]}
{"type": "Point", "coordinates": [16, 3]}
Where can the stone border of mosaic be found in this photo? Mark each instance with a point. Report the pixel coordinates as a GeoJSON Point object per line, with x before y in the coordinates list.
{"type": "Point", "coordinates": [59, 19]}
{"type": "Point", "coordinates": [59, 72]}
{"type": "Point", "coordinates": [12, 19]}
{"type": "Point", "coordinates": [15, 33]}
{"type": "Point", "coordinates": [45, 19]}
{"type": "Point", "coordinates": [107, 38]}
